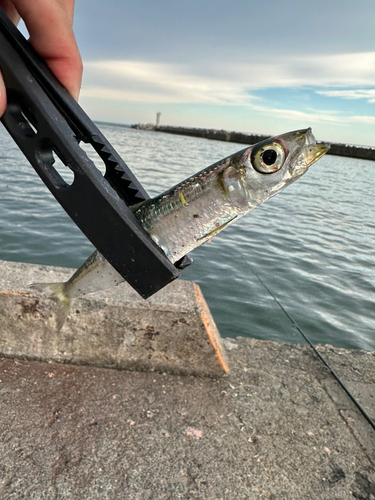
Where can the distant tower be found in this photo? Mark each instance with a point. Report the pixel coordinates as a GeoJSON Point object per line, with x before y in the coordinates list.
{"type": "Point", "coordinates": [158, 115]}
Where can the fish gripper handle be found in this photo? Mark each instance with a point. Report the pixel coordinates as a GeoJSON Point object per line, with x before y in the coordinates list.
{"type": "Point", "coordinates": [48, 125]}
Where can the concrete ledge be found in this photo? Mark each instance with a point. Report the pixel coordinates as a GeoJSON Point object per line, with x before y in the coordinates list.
{"type": "Point", "coordinates": [173, 331]}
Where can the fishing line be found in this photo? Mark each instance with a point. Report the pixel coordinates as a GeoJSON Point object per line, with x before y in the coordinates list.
{"type": "Point", "coordinates": [295, 324]}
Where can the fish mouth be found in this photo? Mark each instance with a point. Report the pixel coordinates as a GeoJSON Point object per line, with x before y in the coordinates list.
{"type": "Point", "coordinates": [303, 148]}
{"type": "Point", "coordinates": [311, 151]}
{"type": "Point", "coordinates": [316, 152]}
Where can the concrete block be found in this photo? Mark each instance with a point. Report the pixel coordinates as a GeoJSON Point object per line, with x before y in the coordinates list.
{"type": "Point", "coordinates": [173, 331]}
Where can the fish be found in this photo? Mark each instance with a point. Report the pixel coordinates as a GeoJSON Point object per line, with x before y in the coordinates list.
{"type": "Point", "coordinates": [197, 209]}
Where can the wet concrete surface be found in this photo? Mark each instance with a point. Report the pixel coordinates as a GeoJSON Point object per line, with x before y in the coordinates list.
{"type": "Point", "coordinates": [278, 427]}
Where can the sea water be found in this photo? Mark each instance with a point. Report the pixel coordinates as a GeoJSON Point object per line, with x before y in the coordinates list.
{"type": "Point", "coordinates": [312, 245]}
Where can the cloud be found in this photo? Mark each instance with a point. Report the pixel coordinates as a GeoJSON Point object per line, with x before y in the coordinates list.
{"type": "Point", "coordinates": [228, 83]}
{"type": "Point", "coordinates": [313, 116]}
{"type": "Point", "coordinates": [332, 70]}
{"type": "Point", "coordinates": [140, 81]}
{"type": "Point", "coordinates": [368, 94]}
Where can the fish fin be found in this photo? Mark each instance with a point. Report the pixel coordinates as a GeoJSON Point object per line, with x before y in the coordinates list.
{"type": "Point", "coordinates": [56, 291]}
{"type": "Point", "coordinates": [214, 232]}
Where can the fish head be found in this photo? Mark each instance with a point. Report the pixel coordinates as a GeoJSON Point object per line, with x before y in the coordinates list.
{"type": "Point", "coordinates": [273, 164]}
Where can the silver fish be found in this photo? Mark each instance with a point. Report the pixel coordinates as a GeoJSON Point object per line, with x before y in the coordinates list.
{"type": "Point", "coordinates": [192, 212]}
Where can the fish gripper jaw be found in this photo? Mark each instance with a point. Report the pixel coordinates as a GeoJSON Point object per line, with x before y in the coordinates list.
{"type": "Point", "coordinates": [48, 125]}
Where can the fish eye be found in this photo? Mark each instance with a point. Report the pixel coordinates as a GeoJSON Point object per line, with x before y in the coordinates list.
{"type": "Point", "coordinates": [268, 158]}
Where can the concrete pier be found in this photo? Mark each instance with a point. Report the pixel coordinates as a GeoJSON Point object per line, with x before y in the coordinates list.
{"type": "Point", "coordinates": [277, 427]}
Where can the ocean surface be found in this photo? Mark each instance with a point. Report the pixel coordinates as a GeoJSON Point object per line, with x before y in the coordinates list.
{"type": "Point", "coordinates": [312, 245]}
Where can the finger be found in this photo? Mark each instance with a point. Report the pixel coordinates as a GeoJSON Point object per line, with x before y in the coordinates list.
{"type": "Point", "coordinates": [70, 9]}
{"type": "Point", "coordinates": [13, 15]}
{"type": "Point", "coordinates": [51, 34]}
{"type": "Point", "coordinates": [10, 10]}
{"type": "Point", "coordinates": [3, 97]}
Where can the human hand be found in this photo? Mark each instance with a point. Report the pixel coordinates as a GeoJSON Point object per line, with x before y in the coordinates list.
{"type": "Point", "coordinates": [49, 23]}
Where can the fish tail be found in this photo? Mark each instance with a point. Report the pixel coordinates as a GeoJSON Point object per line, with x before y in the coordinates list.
{"type": "Point", "coordinates": [57, 291]}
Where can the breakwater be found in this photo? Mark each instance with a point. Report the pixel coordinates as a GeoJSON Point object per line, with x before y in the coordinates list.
{"type": "Point", "coordinates": [337, 149]}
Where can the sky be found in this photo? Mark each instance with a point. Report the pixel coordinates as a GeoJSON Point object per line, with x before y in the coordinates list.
{"type": "Point", "coordinates": [258, 67]}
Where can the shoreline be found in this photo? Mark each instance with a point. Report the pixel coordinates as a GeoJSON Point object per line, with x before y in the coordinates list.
{"type": "Point", "coordinates": [337, 149]}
